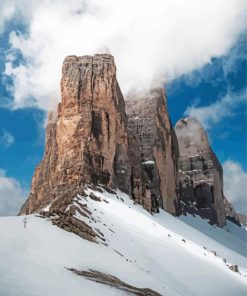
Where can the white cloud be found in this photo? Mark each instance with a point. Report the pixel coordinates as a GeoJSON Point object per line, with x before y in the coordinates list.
{"type": "Point", "coordinates": [12, 196]}
{"type": "Point", "coordinates": [6, 12]}
{"type": "Point", "coordinates": [235, 182]}
{"type": "Point", "coordinates": [151, 40]}
{"type": "Point", "coordinates": [6, 138]}
{"type": "Point", "coordinates": [221, 109]}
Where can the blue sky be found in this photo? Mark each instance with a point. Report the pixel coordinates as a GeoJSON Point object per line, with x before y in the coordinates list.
{"type": "Point", "coordinates": [209, 84]}
{"type": "Point", "coordinates": [203, 87]}
{"type": "Point", "coordinates": [25, 125]}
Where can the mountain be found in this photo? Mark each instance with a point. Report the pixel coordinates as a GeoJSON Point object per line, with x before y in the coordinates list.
{"type": "Point", "coordinates": [96, 137]}
{"type": "Point", "coordinates": [122, 202]}
{"type": "Point", "coordinates": [201, 175]}
{"type": "Point", "coordinates": [86, 136]}
{"type": "Point", "coordinates": [133, 251]}
{"type": "Point", "coordinates": [149, 121]}
{"type": "Point", "coordinates": [91, 140]}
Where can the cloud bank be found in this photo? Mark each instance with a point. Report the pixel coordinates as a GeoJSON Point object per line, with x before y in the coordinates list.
{"type": "Point", "coordinates": [12, 196]}
{"type": "Point", "coordinates": [151, 41]}
{"type": "Point", "coordinates": [235, 180]}
{"type": "Point", "coordinates": [225, 107]}
{"type": "Point", "coordinates": [6, 12]}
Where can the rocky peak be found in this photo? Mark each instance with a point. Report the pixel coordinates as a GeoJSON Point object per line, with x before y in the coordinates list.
{"type": "Point", "coordinates": [192, 137]}
{"type": "Point", "coordinates": [87, 141]}
{"type": "Point", "coordinates": [89, 80]}
{"type": "Point", "coordinates": [200, 174]}
{"type": "Point", "coordinates": [148, 119]}
{"type": "Point", "coordinates": [95, 137]}
{"type": "Point", "coordinates": [90, 140]}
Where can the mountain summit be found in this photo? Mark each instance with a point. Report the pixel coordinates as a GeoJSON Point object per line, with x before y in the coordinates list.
{"type": "Point", "coordinates": [96, 137]}
{"type": "Point", "coordinates": [135, 201]}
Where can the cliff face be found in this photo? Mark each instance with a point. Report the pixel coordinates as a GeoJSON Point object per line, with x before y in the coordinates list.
{"type": "Point", "coordinates": [90, 141]}
{"type": "Point", "coordinates": [148, 119]}
{"type": "Point", "coordinates": [86, 141]}
{"type": "Point", "coordinates": [200, 173]}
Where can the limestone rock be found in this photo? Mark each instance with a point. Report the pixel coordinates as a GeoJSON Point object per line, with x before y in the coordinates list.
{"type": "Point", "coordinates": [230, 212]}
{"type": "Point", "coordinates": [200, 173]}
{"type": "Point", "coordinates": [86, 141]}
{"type": "Point", "coordinates": [89, 140]}
{"type": "Point", "coordinates": [149, 121]}
{"type": "Point", "coordinates": [92, 139]}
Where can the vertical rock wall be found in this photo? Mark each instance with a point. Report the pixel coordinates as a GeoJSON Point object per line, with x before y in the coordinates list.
{"type": "Point", "coordinates": [200, 173]}
{"type": "Point", "coordinates": [86, 141]}
{"type": "Point", "coordinates": [149, 121]}
{"type": "Point", "coordinates": [91, 140]}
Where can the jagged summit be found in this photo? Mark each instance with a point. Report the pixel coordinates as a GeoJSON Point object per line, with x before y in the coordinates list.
{"type": "Point", "coordinates": [193, 138]}
{"type": "Point", "coordinates": [90, 140]}
{"type": "Point", "coordinates": [87, 141]}
{"type": "Point", "coordinates": [149, 119]}
{"type": "Point", "coordinates": [97, 138]}
{"type": "Point", "coordinates": [200, 173]}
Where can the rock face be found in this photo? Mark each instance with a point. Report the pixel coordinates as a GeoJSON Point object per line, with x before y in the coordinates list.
{"type": "Point", "coordinates": [230, 213]}
{"type": "Point", "coordinates": [95, 137]}
{"type": "Point", "coordinates": [200, 173]}
{"type": "Point", "coordinates": [90, 141]}
{"type": "Point", "coordinates": [242, 219]}
{"type": "Point", "coordinates": [86, 141]}
{"type": "Point", "coordinates": [149, 121]}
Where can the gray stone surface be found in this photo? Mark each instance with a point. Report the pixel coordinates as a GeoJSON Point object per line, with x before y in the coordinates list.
{"type": "Point", "coordinates": [149, 121]}
{"type": "Point", "coordinates": [200, 173]}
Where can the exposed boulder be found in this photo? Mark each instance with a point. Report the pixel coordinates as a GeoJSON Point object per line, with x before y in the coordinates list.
{"type": "Point", "coordinates": [113, 281]}
{"type": "Point", "coordinates": [200, 173]}
{"type": "Point", "coordinates": [234, 268]}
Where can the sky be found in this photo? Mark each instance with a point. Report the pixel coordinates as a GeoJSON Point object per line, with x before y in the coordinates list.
{"type": "Point", "coordinates": [196, 48]}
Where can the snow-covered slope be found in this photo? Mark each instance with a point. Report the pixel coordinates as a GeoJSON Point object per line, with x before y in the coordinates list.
{"type": "Point", "coordinates": [169, 255]}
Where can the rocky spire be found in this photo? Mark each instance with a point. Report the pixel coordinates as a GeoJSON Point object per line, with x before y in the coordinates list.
{"type": "Point", "coordinates": [149, 120]}
{"type": "Point", "coordinates": [90, 141]}
{"type": "Point", "coordinates": [86, 141]}
{"type": "Point", "coordinates": [200, 173]}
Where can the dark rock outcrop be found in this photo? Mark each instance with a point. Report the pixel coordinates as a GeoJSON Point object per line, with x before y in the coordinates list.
{"type": "Point", "coordinates": [200, 173]}
{"type": "Point", "coordinates": [234, 268]}
{"type": "Point", "coordinates": [113, 281]}
{"type": "Point", "coordinates": [63, 212]}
